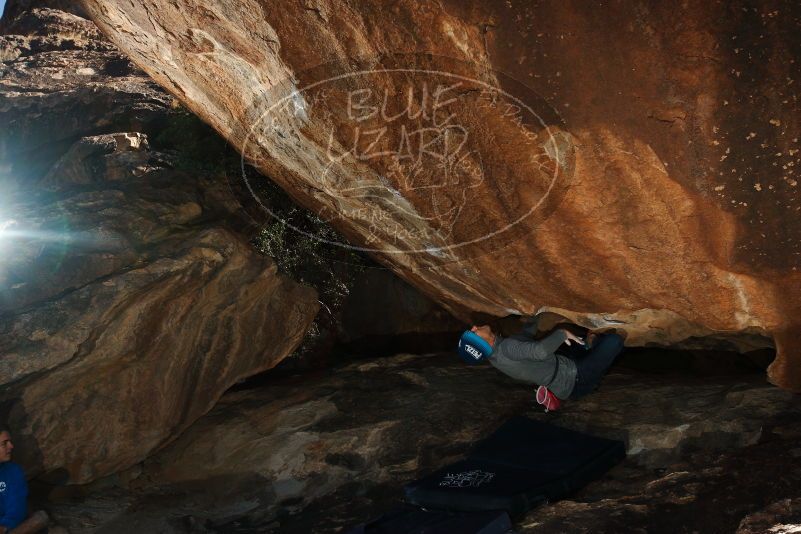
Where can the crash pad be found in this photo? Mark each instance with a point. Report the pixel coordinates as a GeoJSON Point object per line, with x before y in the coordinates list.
{"type": "Point", "coordinates": [521, 465]}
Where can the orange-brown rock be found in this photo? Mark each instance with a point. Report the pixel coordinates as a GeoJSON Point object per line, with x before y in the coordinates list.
{"type": "Point", "coordinates": [629, 164]}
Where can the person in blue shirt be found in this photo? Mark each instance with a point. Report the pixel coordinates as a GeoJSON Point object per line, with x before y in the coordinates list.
{"type": "Point", "coordinates": [13, 487]}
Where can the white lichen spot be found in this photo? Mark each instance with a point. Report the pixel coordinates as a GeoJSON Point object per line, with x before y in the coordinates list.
{"type": "Point", "coordinates": [299, 105]}
{"type": "Point", "coordinates": [720, 188]}
{"type": "Point", "coordinates": [750, 136]}
{"type": "Point", "coordinates": [715, 142]}
{"type": "Point", "coordinates": [792, 182]}
{"type": "Point", "coordinates": [758, 186]}
{"type": "Point", "coordinates": [437, 252]}
{"type": "Point", "coordinates": [775, 122]}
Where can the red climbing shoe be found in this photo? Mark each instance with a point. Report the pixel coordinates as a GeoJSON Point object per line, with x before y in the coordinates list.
{"type": "Point", "coordinates": [548, 399]}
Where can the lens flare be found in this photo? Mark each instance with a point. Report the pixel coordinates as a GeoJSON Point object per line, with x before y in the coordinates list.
{"type": "Point", "coordinates": [6, 226]}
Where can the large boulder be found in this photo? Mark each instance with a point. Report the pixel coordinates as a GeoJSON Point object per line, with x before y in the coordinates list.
{"type": "Point", "coordinates": [130, 299]}
{"type": "Point", "coordinates": [511, 158]}
{"type": "Point", "coordinates": [129, 308]}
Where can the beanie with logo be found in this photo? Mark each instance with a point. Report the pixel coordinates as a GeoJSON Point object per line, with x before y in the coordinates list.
{"type": "Point", "coordinates": [473, 348]}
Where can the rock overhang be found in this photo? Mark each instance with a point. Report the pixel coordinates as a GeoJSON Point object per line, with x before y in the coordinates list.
{"type": "Point", "coordinates": [677, 213]}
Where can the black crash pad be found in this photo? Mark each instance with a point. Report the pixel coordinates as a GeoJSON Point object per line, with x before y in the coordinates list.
{"type": "Point", "coordinates": [521, 465]}
{"type": "Point", "coordinates": [411, 520]}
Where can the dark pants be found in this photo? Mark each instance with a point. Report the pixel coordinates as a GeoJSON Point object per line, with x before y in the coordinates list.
{"type": "Point", "coordinates": [592, 364]}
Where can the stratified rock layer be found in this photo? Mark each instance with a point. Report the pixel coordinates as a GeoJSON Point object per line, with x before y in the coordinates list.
{"type": "Point", "coordinates": [59, 81]}
{"type": "Point", "coordinates": [664, 200]}
{"type": "Point", "coordinates": [142, 311]}
{"type": "Point", "coordinates": [128, 303]}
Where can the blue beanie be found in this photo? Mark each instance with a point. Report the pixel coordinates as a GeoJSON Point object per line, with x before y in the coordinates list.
{"type": "Point", "coordinates": [473, 348]}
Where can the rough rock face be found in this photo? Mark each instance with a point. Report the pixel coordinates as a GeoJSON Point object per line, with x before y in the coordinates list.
{"type": "Point", "coordinates": [60, 80]}
{"type": "Point", "coordinates": [129, 305]}
{"type": "Point", "coordinates": [15, 8]}
{"type": "Point", "coordinates": [316, 454]}
{"type": "Point", "coordinates": [149, 312]}
{"type": "Point", "coordinates": [782, 517]}
{"type": "Point", "coordinates": [644, 177]}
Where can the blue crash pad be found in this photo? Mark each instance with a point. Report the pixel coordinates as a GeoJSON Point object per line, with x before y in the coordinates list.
{"type": "Point", "coordinates": [411, 520]}
{"type": "Point", "coordinates": [521, 465]}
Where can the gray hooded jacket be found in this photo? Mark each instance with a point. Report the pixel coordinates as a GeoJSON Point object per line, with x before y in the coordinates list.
{"type": "Point", "coordinates": [526, 359]}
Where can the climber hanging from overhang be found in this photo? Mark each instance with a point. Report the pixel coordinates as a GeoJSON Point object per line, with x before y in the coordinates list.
{"type": "Point", "coordinates": [562, 364]}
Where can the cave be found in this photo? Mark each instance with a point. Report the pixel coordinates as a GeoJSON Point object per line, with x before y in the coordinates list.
{"type": "Point", "coordinates": [243, 244]}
